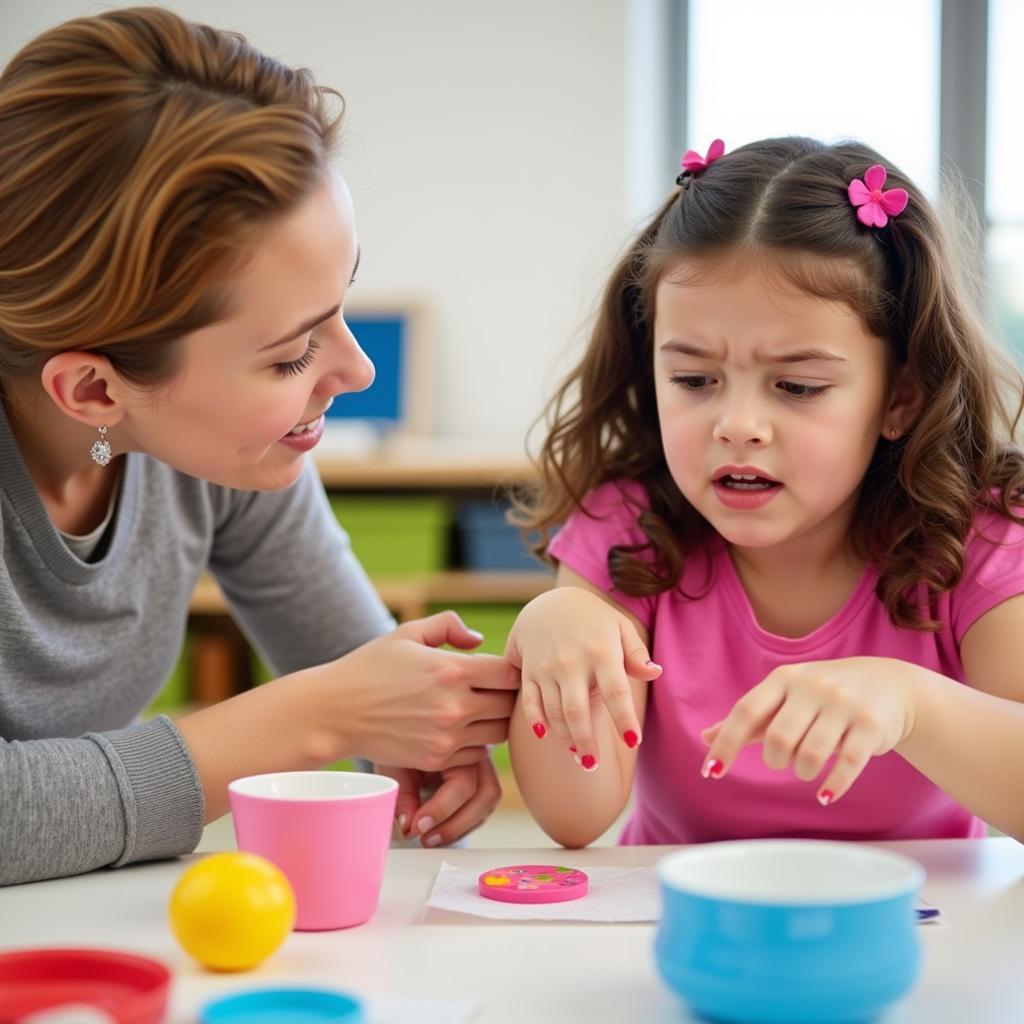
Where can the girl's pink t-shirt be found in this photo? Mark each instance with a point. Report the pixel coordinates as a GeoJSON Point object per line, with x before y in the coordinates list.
{"type": "Point", "coordinates": [713, 651]}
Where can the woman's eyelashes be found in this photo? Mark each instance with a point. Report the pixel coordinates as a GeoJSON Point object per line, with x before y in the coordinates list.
{"type": "Point", "coordinates": [790, 388]}
{"type": "Point", "coordinates": [298, 365]}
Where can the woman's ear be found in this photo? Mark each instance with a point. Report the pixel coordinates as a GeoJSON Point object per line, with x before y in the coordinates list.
{"type": "Point", "coordinates": [906, 400]}
{"type": "Point", "coordinates": [84, 386]}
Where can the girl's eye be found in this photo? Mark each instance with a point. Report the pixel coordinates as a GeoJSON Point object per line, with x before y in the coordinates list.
{"type": "Point", "coordinates": [691, 382]}
{"type": "Point", "coordinates": [300, 364]}
{"type": "Point", "coordinates": [795, 390]}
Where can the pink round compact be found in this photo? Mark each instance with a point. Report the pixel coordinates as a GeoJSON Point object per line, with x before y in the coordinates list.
{"type": "Point", "coordinates": [533, 883]}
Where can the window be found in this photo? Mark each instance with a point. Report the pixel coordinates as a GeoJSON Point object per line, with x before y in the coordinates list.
{"type": "Point", "coordinates": [825, 69]}
{"type": "Point", "coordinates": [1005, 194]}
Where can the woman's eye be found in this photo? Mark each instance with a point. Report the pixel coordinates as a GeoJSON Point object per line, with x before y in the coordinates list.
{"type": "Point", "coordinates": [795, 390]}
{"type": "Point", "coordinates": [300, 364]}
{"type": "Point", "coordinates": [691, 382]}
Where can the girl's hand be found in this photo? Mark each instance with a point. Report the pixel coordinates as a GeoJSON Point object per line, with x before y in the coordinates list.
{"type": "Point", "coordinates": [855, 708]}
{"type": "Point", "coordinates": [406, 702]}
{"type": "Point", "coordinates": [574, 651]}
{"type": "Point", "coordinates": [461, 800]}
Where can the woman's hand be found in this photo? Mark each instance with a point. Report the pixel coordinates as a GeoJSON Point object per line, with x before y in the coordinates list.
{"type": "Point", "coordinates": [403, 701]}
{"type": "Point", "coordinates": [855, 708]}
{"type": "Point", "coordinates": [458, 800]}
{"type": "Point", "coordinates": [574, 650]}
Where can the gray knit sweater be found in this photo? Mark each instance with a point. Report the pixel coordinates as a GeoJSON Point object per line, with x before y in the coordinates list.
{"type": "Point", "coordinates": [85, 647]}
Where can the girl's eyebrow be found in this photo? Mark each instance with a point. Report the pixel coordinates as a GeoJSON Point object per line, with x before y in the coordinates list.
{"type": "Point", "coordinates": [803, 355]}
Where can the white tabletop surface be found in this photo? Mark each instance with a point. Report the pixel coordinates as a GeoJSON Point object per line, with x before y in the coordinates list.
{"type": "Point", "coordinates": [973, 965]}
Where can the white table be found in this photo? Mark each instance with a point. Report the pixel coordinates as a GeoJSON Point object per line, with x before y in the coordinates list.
{"type": "Point", "coordinates": [973, 967]}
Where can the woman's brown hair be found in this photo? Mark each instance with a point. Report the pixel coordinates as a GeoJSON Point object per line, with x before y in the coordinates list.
{"type": "Point", "coordinates": [784, 202]}
{"type": "Point", "coordinates": [141, 153]}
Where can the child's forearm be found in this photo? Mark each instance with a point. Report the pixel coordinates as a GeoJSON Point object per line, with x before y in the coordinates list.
{"type": "Point", "coordinates": [573, 806]}
{"type": "Point", "coordinates": [971, 745]}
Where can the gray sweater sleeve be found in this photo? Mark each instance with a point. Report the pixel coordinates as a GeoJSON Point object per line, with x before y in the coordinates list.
{"type": "Point", "coordinates": [72, 805]}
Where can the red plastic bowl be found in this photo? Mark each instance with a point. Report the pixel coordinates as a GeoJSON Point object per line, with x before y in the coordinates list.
{"type": "Point", "coordinates": [130, 989]}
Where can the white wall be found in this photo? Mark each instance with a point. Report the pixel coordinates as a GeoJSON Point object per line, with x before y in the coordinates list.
{"type": "Point", "coordinates": [485, 150]}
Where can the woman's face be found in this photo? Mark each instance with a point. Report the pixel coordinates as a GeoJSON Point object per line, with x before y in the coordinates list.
{"type": "Point", "coordinates": [248, 401]}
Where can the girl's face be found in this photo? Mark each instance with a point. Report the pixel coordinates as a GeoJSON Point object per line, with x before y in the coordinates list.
{"type": "Point", "coordinates": [771, 403]}
{"type": "Point", "coordinates": [273, 366]}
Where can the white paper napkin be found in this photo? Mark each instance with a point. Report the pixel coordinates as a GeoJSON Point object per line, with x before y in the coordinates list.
{"type": "Point", "coordinates": [615, 894]}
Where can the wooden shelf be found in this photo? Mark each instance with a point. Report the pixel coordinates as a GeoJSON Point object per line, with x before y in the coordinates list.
{"type": "Point", "coordinates": [426, 464]}
{"type": "Point", "coordinates": [410, 596]}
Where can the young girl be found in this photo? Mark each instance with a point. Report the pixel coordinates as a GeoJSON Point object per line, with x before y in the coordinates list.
{"type": "Point", "coordinates": [790, 571]}
{"type": "Point", "coordinates": [175, 253]}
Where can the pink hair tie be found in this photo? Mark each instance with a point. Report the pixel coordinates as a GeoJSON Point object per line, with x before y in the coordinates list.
{"type": "Point", "coordinates": [874, 207]}
{"type": "Point", "coordinates": [693, 162]}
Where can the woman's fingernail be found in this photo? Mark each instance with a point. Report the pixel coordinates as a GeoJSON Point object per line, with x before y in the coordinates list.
{"type": "Point", "coordinates": [425, 824]}
{"type": "Point", "coordinates": [572, 749]}
{"type": "Point", "coordinates": [653, 664]}
{"type": "Point", "coordinates": [631, 738]}
{"type": "Point", "coordinates": [538, 730]}
{"type": "Point", "coordinates": [401, 822]}
{"type": "Point", "coordinates": [825, 797]}
{"type": "Point", "coordinates": [712, 768]}
{"type": "Point", "coordinates": [475, 633]}
{"type": "Point", "coordinates": [588, 762]}
{"type": "Point", "coordinates": [434, 840]}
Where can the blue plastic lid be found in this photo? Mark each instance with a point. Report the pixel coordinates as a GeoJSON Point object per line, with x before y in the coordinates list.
{"type": "Point", "coordinates": [284, 1006]}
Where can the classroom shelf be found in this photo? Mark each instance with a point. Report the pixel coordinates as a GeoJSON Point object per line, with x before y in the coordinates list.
{"type": "Point", "coordinates": [410, 597]}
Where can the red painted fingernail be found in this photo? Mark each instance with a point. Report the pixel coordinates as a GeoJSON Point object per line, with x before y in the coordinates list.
{"type": "Point", "coordinates": [631, 738]}
{"type": "Point", "coordinates": [572, 749]}
{"type": "Point", "coordinates": [712, 768]}
{"type": "Point", "coordinates": [825, 797]}
{"type": "Point", "coordinates": [539, 731]}
{"type": "Point", "coordinates": [589, 762]}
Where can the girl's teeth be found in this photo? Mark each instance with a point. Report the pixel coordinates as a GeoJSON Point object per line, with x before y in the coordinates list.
{"type": "Point", "coordinates": [745, 482]}
{"type": "Point", "coordinates": [301, 428]}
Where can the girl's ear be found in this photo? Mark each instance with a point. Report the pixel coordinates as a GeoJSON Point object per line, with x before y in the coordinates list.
{"type": "Point", "coordinates": [85, 387]}
{"type": "Point", "coordinates": [905, 401]}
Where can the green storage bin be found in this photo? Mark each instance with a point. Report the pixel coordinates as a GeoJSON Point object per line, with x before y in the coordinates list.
{"type": "Point", "coordinates": [493, 620]}
{"type": "Point", "coordinates": [395, 535]}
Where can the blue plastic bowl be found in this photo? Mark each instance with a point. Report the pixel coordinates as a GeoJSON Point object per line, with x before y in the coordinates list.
{"type": "Point", "coordinates": [780, 931]}
{"type": "Point", "coordinates": [284, 1006]}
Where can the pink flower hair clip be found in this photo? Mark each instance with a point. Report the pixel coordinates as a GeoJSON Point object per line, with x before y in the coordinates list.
{"type": "Point", "coordinates": [693, 162]}
{"type": "Point", "coordinates": [875, 207]}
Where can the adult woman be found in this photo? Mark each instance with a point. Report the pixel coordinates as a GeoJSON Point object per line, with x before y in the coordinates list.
{"type": "Point", "coordinates": [175, 252]}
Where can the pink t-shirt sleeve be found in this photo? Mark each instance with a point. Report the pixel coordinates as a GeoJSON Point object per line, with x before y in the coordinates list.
{"type": "Point", "coordinates": [608, 518]}
{"type": "Point", "coordinates": [993, 571]}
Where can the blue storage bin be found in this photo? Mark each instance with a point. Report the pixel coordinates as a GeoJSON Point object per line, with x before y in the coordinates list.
{"type": "Point", "coordinates": [489, 542]}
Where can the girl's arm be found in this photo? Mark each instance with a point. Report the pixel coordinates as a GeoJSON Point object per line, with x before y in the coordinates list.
{"type": "Point", "coordinates": [969, 740]}
{"type": "Point", "coordinates": [572, 805]}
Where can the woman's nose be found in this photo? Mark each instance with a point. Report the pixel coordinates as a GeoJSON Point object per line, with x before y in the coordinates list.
{"type": "Point", "coordinates": [347, 367]}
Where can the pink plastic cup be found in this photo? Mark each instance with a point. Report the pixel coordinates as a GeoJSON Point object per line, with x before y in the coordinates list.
{"type": "Point", "coordinates": [327, 831]}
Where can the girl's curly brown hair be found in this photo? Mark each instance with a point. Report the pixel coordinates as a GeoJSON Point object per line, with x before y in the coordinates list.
{"type": "Point", "coordinates": [785, 202]}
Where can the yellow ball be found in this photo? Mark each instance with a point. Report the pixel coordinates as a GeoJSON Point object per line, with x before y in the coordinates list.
{"type": "Point", "coordinates": [232, 910]}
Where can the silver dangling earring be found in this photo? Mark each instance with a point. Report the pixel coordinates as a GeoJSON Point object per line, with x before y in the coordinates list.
{"type": "Point", "coordinates": [100, 450]}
